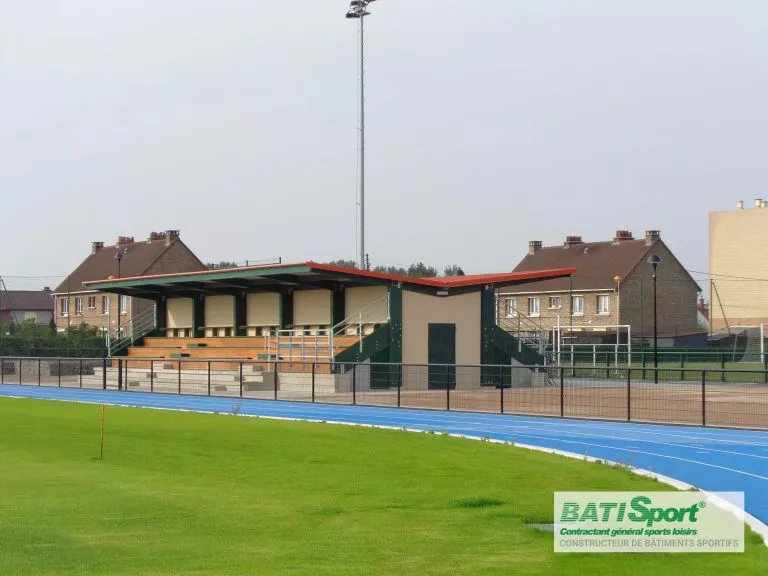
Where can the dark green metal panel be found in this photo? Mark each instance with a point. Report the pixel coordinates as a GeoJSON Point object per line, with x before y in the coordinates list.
{"type": "Point", "coordinates": [510, 345]}
{"type": "Point", "coordinates": [373, 345]}
{"type": "Point", "coordinates": [241, 313]}
{"type": "Point", "coordinates": [286, 310]}
{"type": "Point", "coordinates": [338, 306]}
{"type": "Point", "coordinates": [396, 324]}
{"type": "Point", "coordinates": [161, 315]}
{"type": "Point", "coordinates": [441, 356]}
{"type": "Point", "coordinates": [487, 325]}
{"type": "Point", "coordinates": [198, 317]}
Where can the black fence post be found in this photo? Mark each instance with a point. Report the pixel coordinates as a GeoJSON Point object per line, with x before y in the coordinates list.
{"type": "Point", "coordinates": [703, 397]}
{"type": "Point", "coordinates": [209, 377]}
{"type": "Point", "coordinates": [354, 384]}
{"type": "Point", "coordinates": [59, 371]}
{"type": "Point", "coordinates": [447, 388]}
{"type": "Point", "coordinates": [562, 395]}
{"type": "Point", "coordinates": [399, 382]}
{"type": "Point", "coordinates": [178, 377]}
{"type": "Point", "coordinates": [765, 367]}
{"type": "Point", "coordinates": [104, 373]}
{"type": "Point", "coordinates": [501, 387]}
{"type": "Point", "coordinates": [313, 382]}
{"type": "Point", "coordinates": [39, 368]}
{"type": "Point", "coordinates": [119, 374]}
{"type": "Point", "coordinates": [722, 367]}
{"type": "Point", "coordinates": [642, 361]}
{"type": "Point", "coordinates": [151, 376]}
{"type": "Point", "coordinates": [20, 362]}
{"type": "Point", "coordinates": [682, 367]}
{"type": "Point", "coordinates": [81, 373]}
{"type": "Point", "coordinates": [629, 394]}
{"type": "Point", "coordinates": [276, 367]}
{"type": "Point", "coordinates": [241, 379]}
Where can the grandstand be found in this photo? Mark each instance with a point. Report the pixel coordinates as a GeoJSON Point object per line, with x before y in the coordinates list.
{"type": "Point", "coordinates": [310, 316]}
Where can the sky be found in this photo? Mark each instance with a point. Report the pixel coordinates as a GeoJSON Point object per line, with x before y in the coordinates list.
{"type": "Point", "coordinates": [488, 124]}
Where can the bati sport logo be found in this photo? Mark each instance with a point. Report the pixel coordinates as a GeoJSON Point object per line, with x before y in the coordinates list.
{"type": "Point", "coordinates": [639, 509]}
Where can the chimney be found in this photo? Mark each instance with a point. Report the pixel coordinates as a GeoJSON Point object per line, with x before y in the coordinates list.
{"type": "Point", "coordinates": [96, 246]}
{"type": "Point", "coordinates": [740, 205]}
{"type": "Point", "coordinates": [622, 235]}
{"type": "Point", "coordinates": [170, 236]}
{"type": "Point", "coordinates": [46, 289]}
{"type": "Point", "coordinates": [572, 241]}
{"type": "Point", "coordinates": [765, 204]}
{"type": "Point", "coordinates": [534, 246]}
{"type": "Point", "coordinates": [122, 240]}
{"type": "Point", "coordinates": [651, 236]}
{"type": "Point", "coordinates": [758, 203]}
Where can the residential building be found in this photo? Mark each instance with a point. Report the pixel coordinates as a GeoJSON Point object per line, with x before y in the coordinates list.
{"type": "Point", "coordinates": [611, 288]}
{"type": "Point", "coordinates": [161, 253]}
{"type": "Point", "coordinates": [19, 306]}
{"type": "Point", "coordinates": [738, 267]}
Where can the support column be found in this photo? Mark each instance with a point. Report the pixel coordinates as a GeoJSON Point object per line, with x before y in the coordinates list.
{"type": "Point", "coordinates": [241, 313]}
{"type": "Point", "coordinates": [487, 328]}
{"type": "Point", "coordinates": [198, 316]}
{"type": "Point", "coordinates": [161, 315]}
{"type": "Point", "coordinates": [396, 324]}
{"type": "Point", "coordinates": [338, 305]}
{"type": "Point", "coordinates": [286, 310]}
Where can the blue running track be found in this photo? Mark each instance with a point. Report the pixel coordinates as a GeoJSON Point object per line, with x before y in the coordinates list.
{"type": "Point", "coordinates": [709, 458]}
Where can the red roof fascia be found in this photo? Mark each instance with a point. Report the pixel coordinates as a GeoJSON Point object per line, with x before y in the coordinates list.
{"type": "Point", "coordinates": [447, 281]}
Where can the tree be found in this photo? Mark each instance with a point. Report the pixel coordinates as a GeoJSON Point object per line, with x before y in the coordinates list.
{"type": "Point", "coordinates": [222, 264]}
{"type": "Point", "coordinates": [344, 263]}
{"type": "Point", "coordinates": [453, 270]}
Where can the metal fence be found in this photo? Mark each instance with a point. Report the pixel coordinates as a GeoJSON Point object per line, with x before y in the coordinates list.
{"type": "Point", "coordinates": [706, 397]}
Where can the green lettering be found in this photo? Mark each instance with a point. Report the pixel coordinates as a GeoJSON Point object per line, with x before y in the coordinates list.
{"type": "Point", "coordinates": [641, 512]}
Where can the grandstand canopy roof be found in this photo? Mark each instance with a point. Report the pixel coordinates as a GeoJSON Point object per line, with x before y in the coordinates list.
{"type": "Point", "coordinates": [303, 276]}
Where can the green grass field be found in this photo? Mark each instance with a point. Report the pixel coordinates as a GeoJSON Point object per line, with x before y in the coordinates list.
{"type": "Point", "coordinates": [193, 494]}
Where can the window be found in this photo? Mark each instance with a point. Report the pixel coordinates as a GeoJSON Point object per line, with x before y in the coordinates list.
{"type": "Point", "coordinates": [511, 305]}
{"type": "Point", "coordinates": [533, 306]}
{"type": "Point", "coordinates": [123, 304]}
{"type": "Point", "coordinates": [603, 305]}
{"type": "Point", "coordinates": [64, 306]}
{"type": "Point", "coordinates": [78, 305]}
{"type": "Point", "coordinates": [91, 302]}
{"type": "Point", "coordinates": [577, 305]}
{"type": "Point", "coordinates": [105, 304]}
{"type": "Point", "coordinates": [555, 302]}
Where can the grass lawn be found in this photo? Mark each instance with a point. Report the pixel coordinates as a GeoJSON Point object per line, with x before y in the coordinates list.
{"type": "Point", "coordinates": [193, 494]}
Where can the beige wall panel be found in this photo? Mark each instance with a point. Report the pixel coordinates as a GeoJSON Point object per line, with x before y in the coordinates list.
{"type": "Point", "coordinates": [737, 248]}
{"type": "Point", "coordinates": [220, 311]}
{"type": "Point", "coordinates": [263, 309]}
{"type": "Point", "coordinates": [311, 307]}
{"type": "Point", "coordinates": [372, 300]}
{"type": "Point", "coordinates": [180, 312]}
{"type": "Point", "coordinates": [420, 310]}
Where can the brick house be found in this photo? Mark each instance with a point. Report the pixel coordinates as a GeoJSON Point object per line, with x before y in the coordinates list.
{"type": "Point", "coordinates": [161, 253]}
{"type": "Point", "coordinates": [19, 306]}
{"type": "Point", "coordinates": [612, 286]}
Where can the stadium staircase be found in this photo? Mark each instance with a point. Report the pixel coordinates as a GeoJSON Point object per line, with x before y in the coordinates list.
{"type": "Point", "coordinates": [520, 338]}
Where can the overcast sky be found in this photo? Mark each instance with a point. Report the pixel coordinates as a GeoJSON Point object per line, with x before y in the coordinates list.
{"type": "Point", "coordinates": [489, 123]}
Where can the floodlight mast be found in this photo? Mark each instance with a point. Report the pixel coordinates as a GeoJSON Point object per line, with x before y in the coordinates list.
{"type": "Point", "coordinates": [358, 9]}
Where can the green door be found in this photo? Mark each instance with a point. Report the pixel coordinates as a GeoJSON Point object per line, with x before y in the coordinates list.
{"type": "Point", "coordinates": [441, 356]}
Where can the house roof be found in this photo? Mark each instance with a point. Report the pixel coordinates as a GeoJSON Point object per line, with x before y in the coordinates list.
{"type": "Point", "coordinates": [26, 300]}
{"type": "Point", "coordinates": [102, 264]}
{"type": "Point", "coordinates": [275, 277]}
{"type": "Point", "coordinates": [596, 263]}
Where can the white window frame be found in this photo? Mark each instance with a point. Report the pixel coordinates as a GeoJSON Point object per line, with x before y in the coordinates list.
{"type": "Point", "coordinates": [510, 307]}
{"type": "Point", "coordinates": [105, 309]}
{"type": "Point", "coordinates": [122, 304]}
{"type": "Point", "coordinates": [534, 306]}
{"type": "Point", "coordinates": [607, 300]}
{"type": "Point", "coordinates": [574, 299]}
{"type": "Point", "coordinates": [555, 302]}
{"type": "Point", "coordinates": [64, 307]}
{"type": "Point", "coordinates": [89, 303]}
{"type": "Point", "coordinates": [78, 306]}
